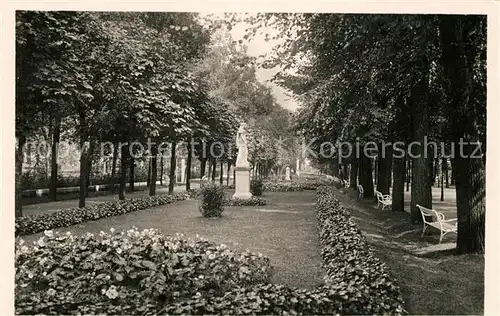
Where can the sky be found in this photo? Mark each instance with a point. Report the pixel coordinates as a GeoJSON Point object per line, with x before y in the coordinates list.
{"type": "Point", "coordinates": [258, 46]}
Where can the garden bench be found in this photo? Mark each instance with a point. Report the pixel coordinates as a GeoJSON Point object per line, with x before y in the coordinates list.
{"type": "Point", "coordinates": [360, 191]}
{"type": "Point", "coordinates": [445, 226]}
{"type": "Point", "coordinates": [383, 200]}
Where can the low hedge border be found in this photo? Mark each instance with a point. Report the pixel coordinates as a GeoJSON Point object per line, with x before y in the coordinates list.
{"type": "Point", "coordinates": [33, 224]}
{"type": "Point", "coordinates": [253, 201]}
{"type": "Point", "coordinates": [350, 262]}
{"type": "Point", "coordinates": [272, 186]}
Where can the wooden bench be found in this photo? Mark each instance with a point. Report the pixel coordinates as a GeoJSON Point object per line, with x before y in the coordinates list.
{"type": "Point", "coordinates": [361, 192]}
{"type": "Point", "coordinates": [383, 200]}
{"type": "Point", "coordinates": [445, 226]}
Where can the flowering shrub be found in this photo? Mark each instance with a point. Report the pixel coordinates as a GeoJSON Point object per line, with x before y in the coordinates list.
{"type": "Point", "coordinates": [256, 187]}
{"type": "Point", "coordinates": [33, 224]}
{"type": "Point", "coordinates": [132, 272]}
{"type": "Point", "coordinates": [212, 199]}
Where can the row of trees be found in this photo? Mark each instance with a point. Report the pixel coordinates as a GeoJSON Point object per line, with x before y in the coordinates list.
{"type": "Point", "coordinates": [92, 78]}
{"type": "Point", "coordinates": [388, 78]}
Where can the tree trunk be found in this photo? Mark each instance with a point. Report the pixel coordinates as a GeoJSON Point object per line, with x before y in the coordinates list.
{"type": "Point", "coordinates": [421, 192]}
{"type": "Point", "coordinates": [90, 156]}
{"type": "Point", "coordinates": [432, 168]}
{"type": "Point", "coordinates": [408, 175]}
{"type": "Point", "coordinates": [203, 167]}
{"type": "Point", "coordinates": [228, 170]}
{"type": "Point", "coordinates": [123, 173]}
{"type": "Point", "coordinates": [458, 56]}
{"type": "Point", "coordinates": [471, 206]}
{"type": "Point", "coordinates": [442, 179]}
{"type": "Point", "coordinates": [214, 169]}
{"type": "Point", "coordinates": [453, 173]}
{"type": "Point", "coordinates": [131, 176]}
{"type": "Point", "coordinates": [173, 165]}
{"type": "Point", "coordinates": [113, 169]}
{"type": "Point", "coordinates": [384, 170]}
{"type": "Point", "coordinates": [161, 168]}
{"type": "Point", "coordinates": [19, 175]}
{"type": "Point", "coordinates": [208, 170]}
{"type": "Point", "coordinates": [446, 173]}
{"type": "Point", "coordinates": [148, 181]}
{"type": "Point", "coordinates": [234, 175]}
{"type": "Point", "coordinates": [154, 170]}
{"type": "Point", "coordinates": [353, 178]}
{"type": "Point", "coordinates": [188, 166]}
{"type": "Point", "coordinates": [366, 176]}
{"type": "Point", "coordinates": [56, 138]}
{"type": "Point", "coordinates": [398, 194]}
{"type": "Point", "coordinates": [221, 177]}
{"type": "Point", "coordinates": [83, 172]}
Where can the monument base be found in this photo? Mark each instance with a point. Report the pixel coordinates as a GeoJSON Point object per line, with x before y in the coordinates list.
{"type": "Point", "coordinates": [242, 185]}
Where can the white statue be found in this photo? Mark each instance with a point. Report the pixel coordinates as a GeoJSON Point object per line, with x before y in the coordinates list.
{"type": "Point", "coordinates": [242, 143]}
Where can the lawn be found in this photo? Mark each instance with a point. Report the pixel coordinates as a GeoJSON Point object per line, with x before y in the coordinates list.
{"type": "Point", "coordinates": [434, 283]}
{"type": "Point", "coordinates": [285, 231]}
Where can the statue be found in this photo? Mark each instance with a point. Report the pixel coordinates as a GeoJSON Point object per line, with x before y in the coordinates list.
{"type": "Point", "coordinates": [242, 166]}
{"type": "Point", "coordinates": [242, 143]}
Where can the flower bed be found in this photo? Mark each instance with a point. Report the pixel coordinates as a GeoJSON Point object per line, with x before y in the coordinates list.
{"type": "Point", "coordinates": [126, 273]}
{"type": "Point", "coordinates": [63, 218]}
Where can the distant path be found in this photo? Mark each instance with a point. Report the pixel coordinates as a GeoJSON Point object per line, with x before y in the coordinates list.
{"type": "Point", "coordinates": [286, 231]}
{"type": "Point", "coordinates": [58, 205]}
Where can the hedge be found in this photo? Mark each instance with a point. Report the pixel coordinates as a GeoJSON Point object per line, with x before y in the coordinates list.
{"type": "Point", "coordinates": [33, 224]}
{"type": "Point", "coordinates": [351, 266]}
{"type": "Point", "coordinates": [272, 186]}
{"type": "Point", "coordinates": [253, 201]}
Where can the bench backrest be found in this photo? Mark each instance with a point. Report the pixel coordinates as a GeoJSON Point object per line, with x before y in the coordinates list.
{"type": "Point", "coordinates": [379, 196]}
{"type": "Point", "coordinates": [360, 188]}
{"type": "Point", "coordinates": [426, 212]}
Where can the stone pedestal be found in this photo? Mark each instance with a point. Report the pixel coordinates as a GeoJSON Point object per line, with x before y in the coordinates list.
{"type": "Point", "coordinates": [287, 174]}
{"type": "Point", "coordinates": [242, 187]}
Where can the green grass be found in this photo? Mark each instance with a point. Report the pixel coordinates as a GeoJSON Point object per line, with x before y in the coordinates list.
{"type": "Point", "coordinates": [285, 231]}
{"type": "Point", "coordinates": [440, 283]}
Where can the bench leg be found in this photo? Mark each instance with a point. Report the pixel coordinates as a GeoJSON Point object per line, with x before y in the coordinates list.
{"type": "Point", "coordinates": [441, 237]}
{"type": "Point", "coordinates": [423, 231]}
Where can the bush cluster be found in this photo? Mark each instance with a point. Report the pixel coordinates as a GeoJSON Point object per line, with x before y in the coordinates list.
{"type": "Point", "coordinates": [212, 199]}
{"type": "Point", "coordinates": [256, 187]}
{"type": "Point", "coordinates": [134, 272]}
{"type": "Point", "coordinates": [33, 224]}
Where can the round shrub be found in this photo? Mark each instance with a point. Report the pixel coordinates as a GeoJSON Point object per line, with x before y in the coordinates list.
{"type": "Point", "coordinates": [256, 187]}
{"type": "Point", "coordinates": [133, 272]}
{"type": "Point", "coordinates": [212, 199]}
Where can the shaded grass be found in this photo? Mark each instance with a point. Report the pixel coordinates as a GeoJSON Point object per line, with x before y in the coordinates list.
{"type": "Point", "coordinates": [285, 231]}
{"type": "Point", "coordinates": [442, 283]}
